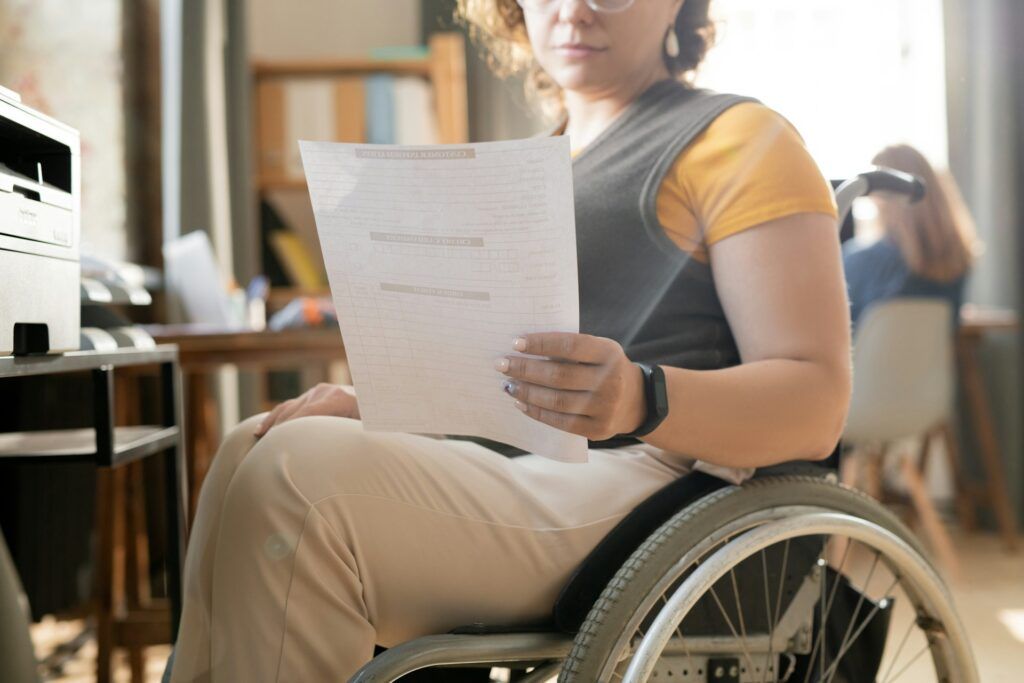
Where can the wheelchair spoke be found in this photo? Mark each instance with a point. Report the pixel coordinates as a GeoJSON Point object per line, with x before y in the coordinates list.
{"type": "Point", "coordinates": [773, 621]}
{"type": "Point", "coordinates": [822, 632]}
{"type": "Point", "coordinates": [768, 618]}
{"type": "Point", "coordinates": [882, 603]}
{"type": "Point", "coordinates": [728, 621]}
{"type": "Point", "coordinates": [739, 610]}
{"type": "Point", "coordinates": [899, 650]}
{"type": "Point", "coordinates": [819, 639]}
{"type": "Point", "coordinates": [908, 664]}
{"type": "Point", "coordinates": [860, 600]}
{"type": "Point", "coordinates": [782, 579]}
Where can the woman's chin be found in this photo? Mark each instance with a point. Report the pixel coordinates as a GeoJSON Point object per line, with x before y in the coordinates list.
{"type": "Point", "coordinates": [581, 79]}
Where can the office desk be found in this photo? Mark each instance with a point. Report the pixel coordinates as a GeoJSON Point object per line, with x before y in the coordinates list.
{"type": "Point", "coordinates": [110, 447]}
{"type": "Point", "coordinates": [203, 352]}
{"type": "Point", "coordinates": [975, 324]}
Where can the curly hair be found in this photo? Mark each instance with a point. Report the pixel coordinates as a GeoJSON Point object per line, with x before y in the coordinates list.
{"type": "Point", "coordinates": [498, 27]}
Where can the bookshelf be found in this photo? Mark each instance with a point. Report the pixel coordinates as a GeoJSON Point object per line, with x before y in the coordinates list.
{"type": "Point", "coordinates": [334, 106]}
{"type": "Point", "coordinates": [443, 67]}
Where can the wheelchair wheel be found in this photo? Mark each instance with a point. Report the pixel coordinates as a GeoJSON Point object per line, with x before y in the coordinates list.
{"type": "Point", "coordinates": [787, 578]}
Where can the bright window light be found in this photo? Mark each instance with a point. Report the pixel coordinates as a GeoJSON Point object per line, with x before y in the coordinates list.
{"type": "Point", "coordinates": [1013, 620]}
{"type": "Point", "coordinates": [853, 77]}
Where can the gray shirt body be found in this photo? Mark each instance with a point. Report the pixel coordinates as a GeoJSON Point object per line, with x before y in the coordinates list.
{"type": "Point", "coordinates": [636, 286]}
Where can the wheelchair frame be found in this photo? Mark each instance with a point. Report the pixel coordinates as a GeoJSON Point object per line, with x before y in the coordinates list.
{"type": "Point", "coordinates": [536, 649]}
{"type": "Point", "coordinates": [719, 552]}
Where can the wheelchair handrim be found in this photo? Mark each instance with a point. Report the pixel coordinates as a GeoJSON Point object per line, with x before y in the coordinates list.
{"type": "Point", "coordinates": [923, 587]}
{"type": "Point", "coordinates": [705, 545]}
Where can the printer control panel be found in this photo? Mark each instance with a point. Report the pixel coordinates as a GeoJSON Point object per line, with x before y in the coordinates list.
{"type": "Point", "coordinates": [33, 212]}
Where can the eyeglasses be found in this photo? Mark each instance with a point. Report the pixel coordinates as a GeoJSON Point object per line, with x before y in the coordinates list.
{"type": "Point", "coordinates": [605, 6]}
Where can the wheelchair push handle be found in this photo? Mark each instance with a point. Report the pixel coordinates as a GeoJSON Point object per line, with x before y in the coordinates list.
{"type": "Point", "coordinates": [891, 180]}
{"type": "Point", "coordinates": [878, 180]}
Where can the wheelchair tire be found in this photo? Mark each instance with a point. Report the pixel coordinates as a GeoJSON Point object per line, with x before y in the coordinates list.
{"type": "Point", "coordinates": [629, 597]}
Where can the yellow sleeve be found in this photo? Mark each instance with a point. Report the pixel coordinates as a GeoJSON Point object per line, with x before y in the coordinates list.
{"type": "Point", "coordinates": [750, 166]}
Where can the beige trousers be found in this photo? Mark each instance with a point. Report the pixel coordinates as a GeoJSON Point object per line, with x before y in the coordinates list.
{"type": "Point", "coordinates": [320, 540]}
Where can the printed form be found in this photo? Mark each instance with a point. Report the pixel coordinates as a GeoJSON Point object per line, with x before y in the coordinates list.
{"type": "Point", "coordinates": [438, 256]}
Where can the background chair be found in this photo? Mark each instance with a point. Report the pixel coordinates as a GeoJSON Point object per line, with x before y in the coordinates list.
{"type": "Point", "coordinates": [903, 381]}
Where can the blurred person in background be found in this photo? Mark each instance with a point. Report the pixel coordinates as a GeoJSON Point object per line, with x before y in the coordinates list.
{"type": "Point", "coordinates": [926, 249]}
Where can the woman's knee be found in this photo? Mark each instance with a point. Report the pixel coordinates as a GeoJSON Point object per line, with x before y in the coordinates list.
{"type": "Point", "coordinates": [309, 457]}
{"type": "Point", "coordinates": [232, 451]}
{"type": "Point", "coordinates": [243, 436]}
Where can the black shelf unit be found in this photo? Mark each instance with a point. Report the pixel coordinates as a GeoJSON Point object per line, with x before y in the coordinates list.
{"type": "Point", "coordinates": [106, 445]}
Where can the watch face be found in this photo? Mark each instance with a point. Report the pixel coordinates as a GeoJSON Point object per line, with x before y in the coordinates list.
{"type": "Point", "coordinates": [660, 391]}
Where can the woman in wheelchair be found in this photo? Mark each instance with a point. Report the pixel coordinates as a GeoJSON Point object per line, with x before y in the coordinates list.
{"type": "Point", "coordinates": [708, 262]}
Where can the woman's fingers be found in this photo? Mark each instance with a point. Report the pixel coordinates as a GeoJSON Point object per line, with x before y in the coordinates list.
{"type": "Point", "coordinates": [296, 409]}
{"type": "Point", "coordinates": [581, 348]}
{"type": "Point", "coordinates": [323, 399]}
{"type": "Point", "coordinates": [557, 400]}
{"type": "Point", "coordinates": [280, 413]}
{"type": "Point", "coordinates": [575, 424]}
{"type": "Point", "coordinates": [575, 382]}
{"type": "Point", "coordinates": [271, 418]}
{"type": "Point", "coordinates": [551, 373]}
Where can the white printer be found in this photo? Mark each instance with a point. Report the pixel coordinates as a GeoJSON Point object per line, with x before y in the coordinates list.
{"type": "Point", "coordinates": [40, 207]}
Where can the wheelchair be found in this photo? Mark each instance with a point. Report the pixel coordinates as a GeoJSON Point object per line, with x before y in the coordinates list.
{"type": "Point", "coordinates": [789, 577]}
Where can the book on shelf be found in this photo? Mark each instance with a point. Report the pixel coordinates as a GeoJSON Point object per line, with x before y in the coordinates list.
{"type": "Point", "coordinates": [295, 258]}
{"type": "Point", "coordinates": [380, 109]}
{"type": "Point", "coordinates": [349, 109]}
{"type": "Point", "coordinates": [377, 109]}
{"type": "Point", "coordinates": [395, 52]}
{"type": "Point", "coordinates": [414, 120]}
{"type": "Point", "coordinates": [309, 115]}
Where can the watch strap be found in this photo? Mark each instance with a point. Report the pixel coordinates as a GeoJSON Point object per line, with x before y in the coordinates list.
{"type": "Point", "coordinates": [655, 397]}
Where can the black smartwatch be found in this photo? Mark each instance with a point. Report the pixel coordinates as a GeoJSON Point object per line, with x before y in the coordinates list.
{"type": "Point", "coordinates": [656, 397]}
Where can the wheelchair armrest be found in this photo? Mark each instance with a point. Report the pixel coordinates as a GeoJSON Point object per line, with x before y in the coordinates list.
{"type": "Point", "coordinates": [807, 468]}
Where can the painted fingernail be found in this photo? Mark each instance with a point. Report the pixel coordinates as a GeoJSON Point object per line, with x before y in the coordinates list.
{"type": "Point", "coordinates": [521, 406]}
{"type": "Point", "coordinates": [509, 387]}
{"type": "Point", "coordinates": [519, 343]}
{"type": "Point", "coordinates": [501, 365]}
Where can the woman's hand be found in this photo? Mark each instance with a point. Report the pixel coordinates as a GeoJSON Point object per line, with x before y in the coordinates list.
{"type": "Point", "coordinates": [323, 399]}
{"type": "Point", "coordinates": [586, 385]}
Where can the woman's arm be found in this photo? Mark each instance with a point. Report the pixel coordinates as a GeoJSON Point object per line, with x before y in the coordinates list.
{"type": "Point", "coordinates": [782, 288]}
{"type": "Point", "coordinates": [781, 285]}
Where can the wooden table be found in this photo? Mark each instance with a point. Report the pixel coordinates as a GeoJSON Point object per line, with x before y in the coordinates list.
{"type": "Point", "coordinates": [202, 351]}
{"type": "Point", "coordinates": [975, 324]}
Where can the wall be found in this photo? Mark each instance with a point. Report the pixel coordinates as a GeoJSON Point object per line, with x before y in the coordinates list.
{"type": "Point", "coordinates": [326, 28]}
{"type": "Point", "coordinates": [330, 28]}
{"type": "Point", "coordinates": [982, 83]}
{"type": "Point", "coordinates": [65, 60]}
{"type": "Point", "coordinates": [498, 109]}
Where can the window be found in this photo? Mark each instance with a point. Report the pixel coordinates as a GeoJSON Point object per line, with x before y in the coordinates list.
{"type": "Point", "coordinates": [851, 76]}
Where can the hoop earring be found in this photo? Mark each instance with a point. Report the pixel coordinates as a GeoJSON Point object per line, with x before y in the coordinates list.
{"type": "Point", "coordinates": [672, 43]}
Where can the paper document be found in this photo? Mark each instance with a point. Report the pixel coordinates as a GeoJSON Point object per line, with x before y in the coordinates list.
{"type": "Point", "coordinates": [438, 256]}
